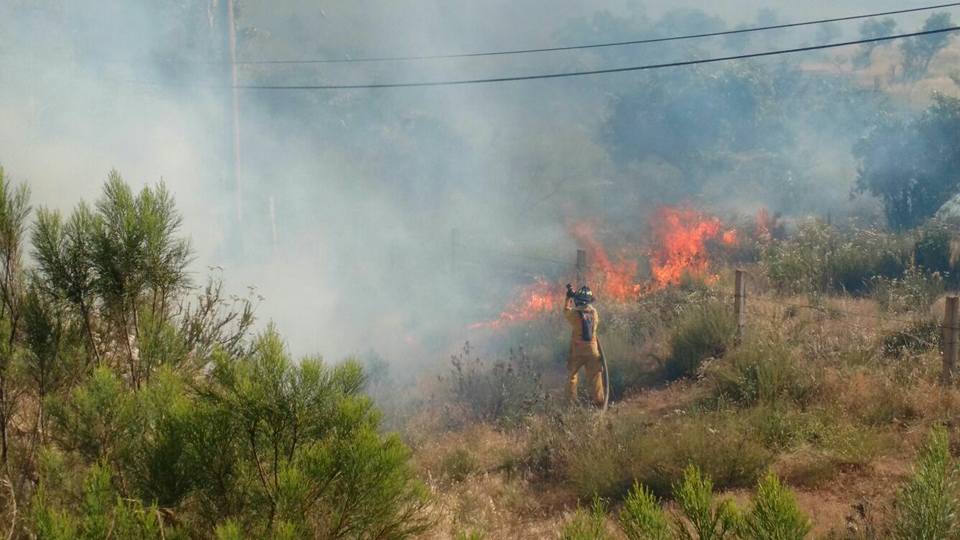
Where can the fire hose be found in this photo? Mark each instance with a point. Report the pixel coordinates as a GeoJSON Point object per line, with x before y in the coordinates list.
{"type": "Point", "coordinates": [606, 377]}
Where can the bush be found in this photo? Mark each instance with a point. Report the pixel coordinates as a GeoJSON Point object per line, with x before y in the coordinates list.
{"type": "Point", "coordinates": [458, 465]}
{"type": "Point", "coordinates": [642, 518]}
{"type": "Point", "coordinates": [703, 332]}
{"type": "Point", "coordinates": [102, 513]}
{"type": "Point", "coordinates": [913, 291]}
{"type": "Point", "coordinates": [935, 249]}
{"type": "Point", "coordinates": [587, 524]}
{"type": "Point", "coordinates": [775, 515]}
{"type": "Point", "coordinates": [656, 455]}
{"type": "Point", "coordinates": [505, 393]}
{"type": "Point", "coordinates": [918, 337]}
{"type": "Point", "coordinates": [927, 506]}
{"type": "Point", "coordinates": [709, 519]}
{"type": "Point", "coordinates": [818, 258]}
{"type": "Point", "coordinates": [761, 371]}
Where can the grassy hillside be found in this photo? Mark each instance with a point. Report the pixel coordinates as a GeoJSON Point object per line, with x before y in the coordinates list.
{"type": "Point", "coordinates": [832, 392]}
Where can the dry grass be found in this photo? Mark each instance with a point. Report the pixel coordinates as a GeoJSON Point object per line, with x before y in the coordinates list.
{"type": "Point", "coordinates": [845, 451]}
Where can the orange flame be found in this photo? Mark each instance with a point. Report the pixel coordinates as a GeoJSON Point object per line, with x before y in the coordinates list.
{"type": "Point", "coordinates": [612, 280]}
{"type": "Point", "coordinates": [680, 240]}
{"type": "Point", "coordinates": [681, 236]}
{"type": "Point", "coordinates": [530, 303]}
{"type": "Point", "coordinates": [729, 238]}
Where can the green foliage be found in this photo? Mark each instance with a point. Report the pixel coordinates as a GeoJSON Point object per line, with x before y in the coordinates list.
{"type": "Point", "coordinates": [703, 332]}
{"type": "Point", "coordinates": [231, 436]}
{"type": "Point", "coordinates": [762, 370]}
{"type": "Point", "coordinates": [94, 419]}
{"type": "Point", "coordinates": [102, 513]}
{"type": "Point", "coordinates": [775, 515]}
{"type": "Point", "coordinates": [918, 51]}
{"type": "Point", "coordinates": [458, 465]}
{"type": "Point", "coordinates": [818, 258]}
{"type": "Point", "coordinates": [911, 165]}
{"type": "Point", "coordinates": [723, 445]}
{"type": "Point", "coordinates": [587, 524]}
{"type": "Point", "coordinates": [928, 505]}
{"type": "Point", "coordinates": [922, 335]}
{"type": "Point", "coordinates": [709, 519]}
{"type": "Point", "coordinates": [872, 28]}
{"type": "Point", "coordinates": [299, 442]}
{"type": "Point", "coordinates": [914, 291]}
{"type": "Point", "coordinates": [642, 517]}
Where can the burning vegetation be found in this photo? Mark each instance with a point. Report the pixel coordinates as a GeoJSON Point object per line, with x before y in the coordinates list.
{"type": "Point", "coordinates": [682, 242]}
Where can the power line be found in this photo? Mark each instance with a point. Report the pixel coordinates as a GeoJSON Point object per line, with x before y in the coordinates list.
{"type": "Point", "coordinates": [595, 71]}
{"type": "Point", "coordinates": [598, 45]}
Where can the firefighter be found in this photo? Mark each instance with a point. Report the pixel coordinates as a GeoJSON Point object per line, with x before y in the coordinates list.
{"type": "Point", "coordinates": [584, 348]}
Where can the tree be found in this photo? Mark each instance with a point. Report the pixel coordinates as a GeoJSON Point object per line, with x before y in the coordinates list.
{"type": "Point", "coordinates": [913, 166]}
{"type": "Point", "coordinates": [14, 209]}
{"type": "Point", "coordinates": [188, 426]}
{"type": "Point", "coordinates": [869, 29]}
{"type": "Point", "coordinates": [918, 51]}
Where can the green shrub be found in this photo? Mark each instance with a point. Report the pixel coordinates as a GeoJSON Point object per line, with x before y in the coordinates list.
{"type": "Point", "coordinates": [935, 249]}
{"type": "Point", "coordinates": [918, 337]}
{"type": "Point", "coordinates": [656, 455]}
{"type": "Point", "coordinates": [710, 520]}
{"type": "Point", "coordinates": [762, 371]}
{"type": "Point", "coordinates": [101, 513]}
{"type": "Point", "coordinates": [819, 258]}
{"type": "Point", "coordinates": [915, 290]}
{"type": "Point", "coordinates": [703, 332]}
{"type": "Point", "coordinates": [775, 515]}
{"type": "Point", "coordinates": [642, 517]}
{"type": "Point", "coordinates": [458, 465]}
{"type": "Point", "coordinates": [587, 524]}
{"type": "Point", "coordinates": [928, 505]}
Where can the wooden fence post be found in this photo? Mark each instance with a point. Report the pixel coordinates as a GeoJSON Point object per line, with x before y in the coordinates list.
{"type": "Point", "coordinates": [740, 303]}
{"type": "Point", "coordinates": [951, 332]}
{"type": "Point", "coordinates": [581, 266]}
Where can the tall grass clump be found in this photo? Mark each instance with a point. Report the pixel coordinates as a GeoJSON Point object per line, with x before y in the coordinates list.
{"type": "Point", "coordinates": [587, 524]}
{"type": "Point", "coordinates": [775, 515]}
{"type": "Point", "coordinates": [703, 332]}
{"type": "Point", "coordinates": [762, 370]}
{"type": "Point", "coordinates": [722, 445]}
{"type": "Point", "coordinates": [927, 506]}
{"type": "Point", "coordinates": [642, 517]}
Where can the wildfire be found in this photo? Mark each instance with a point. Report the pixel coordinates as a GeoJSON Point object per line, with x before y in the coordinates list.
{"type": "Point", "coordinates": [681, 237]}
{"type": "Point", "coordinates": [612, 280]}
{"type": "Point", "coordinates": [530, 303]}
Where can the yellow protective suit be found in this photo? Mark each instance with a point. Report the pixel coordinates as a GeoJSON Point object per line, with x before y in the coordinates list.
{"type": "Point", "coordinates": [585, 354]}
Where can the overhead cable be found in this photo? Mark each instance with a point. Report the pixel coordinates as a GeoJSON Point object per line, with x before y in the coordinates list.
{"type": "Point", "coordinates": [598, 45]}
{"type": "Point", "coordinates": [459, 82]}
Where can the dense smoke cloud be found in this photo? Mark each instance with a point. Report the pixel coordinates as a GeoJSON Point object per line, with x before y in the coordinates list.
{"type": "Point", "coordinates": [351, 199]}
